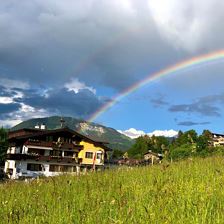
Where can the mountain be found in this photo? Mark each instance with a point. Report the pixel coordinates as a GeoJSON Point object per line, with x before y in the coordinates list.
{"type": "Point", "coordinates": [95, 131]}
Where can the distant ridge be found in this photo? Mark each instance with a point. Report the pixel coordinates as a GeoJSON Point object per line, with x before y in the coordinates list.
{"type": "Point", "coordinates": [98, 132]}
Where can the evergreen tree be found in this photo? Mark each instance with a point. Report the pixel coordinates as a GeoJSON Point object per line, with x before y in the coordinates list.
{"type": "Point", "coordinates": [204, 140]}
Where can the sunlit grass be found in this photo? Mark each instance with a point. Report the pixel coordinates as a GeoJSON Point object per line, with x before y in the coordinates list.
{"type": "Point", "coordinates": [190, 191]}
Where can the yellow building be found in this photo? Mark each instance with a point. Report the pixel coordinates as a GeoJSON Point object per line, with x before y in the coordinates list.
{"type": "Point", "coordinates": [92, 154]}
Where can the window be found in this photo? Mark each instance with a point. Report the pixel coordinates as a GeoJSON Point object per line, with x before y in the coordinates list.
{"type": "Point", "coordinates": [89, 155]}
{"type": "Point", "coordinates": [54, 168]}
{"type": "Point", "coordinates": [34, 167]}
{"type": "Point", "coordinates": [68, 153]}
{"type": "Point", "coordinates": [60, 168]}
{"type": "Point", "coordinates": [36, 151]}
{"type": "Point", "coordinates": [68, 140]}
{"type": "Point", "coordinates": [55, 153]}
{"type": "Point", "coordinates": [68, 169]}
{"type": "Point", "coordinates": [99, 155]}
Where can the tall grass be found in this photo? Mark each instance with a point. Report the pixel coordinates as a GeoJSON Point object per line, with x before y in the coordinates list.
{"type": "Point", "coordinates": [190, 191]}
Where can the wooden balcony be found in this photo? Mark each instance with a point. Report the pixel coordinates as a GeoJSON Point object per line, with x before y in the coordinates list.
{"type": "Point", "coordinates": [54, 159]}
{"type": "Point", "coordinates": [55, 145]}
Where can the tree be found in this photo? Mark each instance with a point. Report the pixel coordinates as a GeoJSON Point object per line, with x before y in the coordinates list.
{"type": "Point", "coordinates": [188, 137]}
{"type": "Point", "coordinates": [207, 134]}
{"type": "Point", "coordinates": [141, 146]}
{"type": "Point", "coordinates": [192, 136]}
{"type": "Point", "coordinates": [159, 144]}
{"type": "Point", "coordinates": [202, 143]}
{"type": "Point", "coordinates": [117, 154]}
{"type": "Point", "coordinates": [180, 152]}
{"type": "Point", "coordinates": [3, 144]}
{"type": "Point", "coordinates": [204, 140]}
{"type": "Point", "coordinates": [185, 145]}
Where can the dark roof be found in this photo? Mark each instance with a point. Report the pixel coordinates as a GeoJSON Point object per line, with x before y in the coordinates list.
{"type": "Point", "coordinates": [27, 129]}
{"type": "Point", "coordinates": [37, 132]}
{"type": "Point", "coordinates": [218, 134]}
{"type": "Point", "coordinates": [42, 132]}
{"type": "Point", "coordinates": [153, 153]}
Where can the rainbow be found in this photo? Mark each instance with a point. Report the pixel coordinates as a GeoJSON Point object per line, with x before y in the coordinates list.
{"type": "Point", "coordinates": [191, 63]}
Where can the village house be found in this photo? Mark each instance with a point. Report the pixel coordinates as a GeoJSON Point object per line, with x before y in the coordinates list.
{"type": "Point", "coordinates": [41, 152]}
{"type": "Point", "coordinates": [217, 139]}
{"type": "Point", "coordinates": [152, 157]}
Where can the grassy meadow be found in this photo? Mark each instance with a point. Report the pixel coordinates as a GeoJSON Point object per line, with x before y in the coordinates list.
{"type": "Point", "coordinates": [190, 191]}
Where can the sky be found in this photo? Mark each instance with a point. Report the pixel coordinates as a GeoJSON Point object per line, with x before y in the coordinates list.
{"type": "Point", "coordinates": [69, 58]}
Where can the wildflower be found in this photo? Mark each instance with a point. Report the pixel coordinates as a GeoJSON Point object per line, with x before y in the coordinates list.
{"type": "Point", "coordinates": [113, 202]}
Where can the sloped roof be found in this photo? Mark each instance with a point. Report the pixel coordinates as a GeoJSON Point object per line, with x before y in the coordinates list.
{"type": "Point", "coordinates": [153, 153]}
{"type": "Point", "coordinates": [218, 134]}
{"type": "Point", "coordinates": [42, 132]}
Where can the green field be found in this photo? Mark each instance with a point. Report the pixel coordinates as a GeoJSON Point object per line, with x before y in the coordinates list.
{"type": "Point", "coordinates": [190, 191]}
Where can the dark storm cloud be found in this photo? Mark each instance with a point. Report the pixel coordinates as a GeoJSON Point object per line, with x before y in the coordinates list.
{"type": "Point", "coordinates": [9, 92]}
{"type": "Point", "coordinates": [190, 123]}
{"type": "Point", "coordinates": [206, 106]}
{"type": "Point", "coordinates": [66, 102]}
{"type": "Point", "coordinates": [31, 102]}
{"type": "Point", "coordinates": [114, 44]}
{"type": "Point", "coordinates": [8, 108]}
{"type": "Point", "coordinates": [198, 107]}
{"type": "Point", "coordinates": [109, 43]}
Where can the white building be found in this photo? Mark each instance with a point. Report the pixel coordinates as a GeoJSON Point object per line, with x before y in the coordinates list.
{"type": "Point", "coordinates": [217, 139]}
{"type": "Point", "coordinates": [39, 152]}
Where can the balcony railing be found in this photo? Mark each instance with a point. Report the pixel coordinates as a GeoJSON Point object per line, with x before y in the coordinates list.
{"type": "Point", "coordinates": [57, 159]}
{"type": "Point", "coordinates": [54, 145]}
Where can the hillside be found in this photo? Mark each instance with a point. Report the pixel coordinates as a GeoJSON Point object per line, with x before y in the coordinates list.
{"type": "Point", "coordinates": [95, 131]}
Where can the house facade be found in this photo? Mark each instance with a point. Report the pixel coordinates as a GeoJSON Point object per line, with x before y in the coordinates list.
{"type": "Point", "coordinates": [152, 157]}
{"type": "Point", "coordinates": [40, 152]}
{"type": "Point", "coordinates": [217, 139]}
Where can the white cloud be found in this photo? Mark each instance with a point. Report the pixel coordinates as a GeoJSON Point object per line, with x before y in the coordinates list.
{"type": "Point", "coordinates": [18, 94]}
{"type": "Point", "coordinates": [165, 133]}
{"type": "Point", "coordinates": [75, 85]}
{"type": "Point", "coordinates": [28, 112]}
{"type": "Point", "coordinates": [5, 100]}
{"type": "Point", "coordinates": [133, 133]}
{"type": "Point", "coordinates": [9, 122]}
{"type": "Point", "coordinates": [190, 25]}
{"type": "Point", "coordinates": [26, 108]}
{"type": "Point", "coordinates": [24, 113]}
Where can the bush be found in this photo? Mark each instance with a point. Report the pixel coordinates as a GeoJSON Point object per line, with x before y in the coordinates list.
{"type": "Point", "coordinates": [181, 152]}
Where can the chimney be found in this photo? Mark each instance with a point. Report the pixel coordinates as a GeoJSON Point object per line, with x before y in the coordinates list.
{"type": "Point", "coordinates": [43, 127]}
{"type": "Point", "coordinates": [37, 126]}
